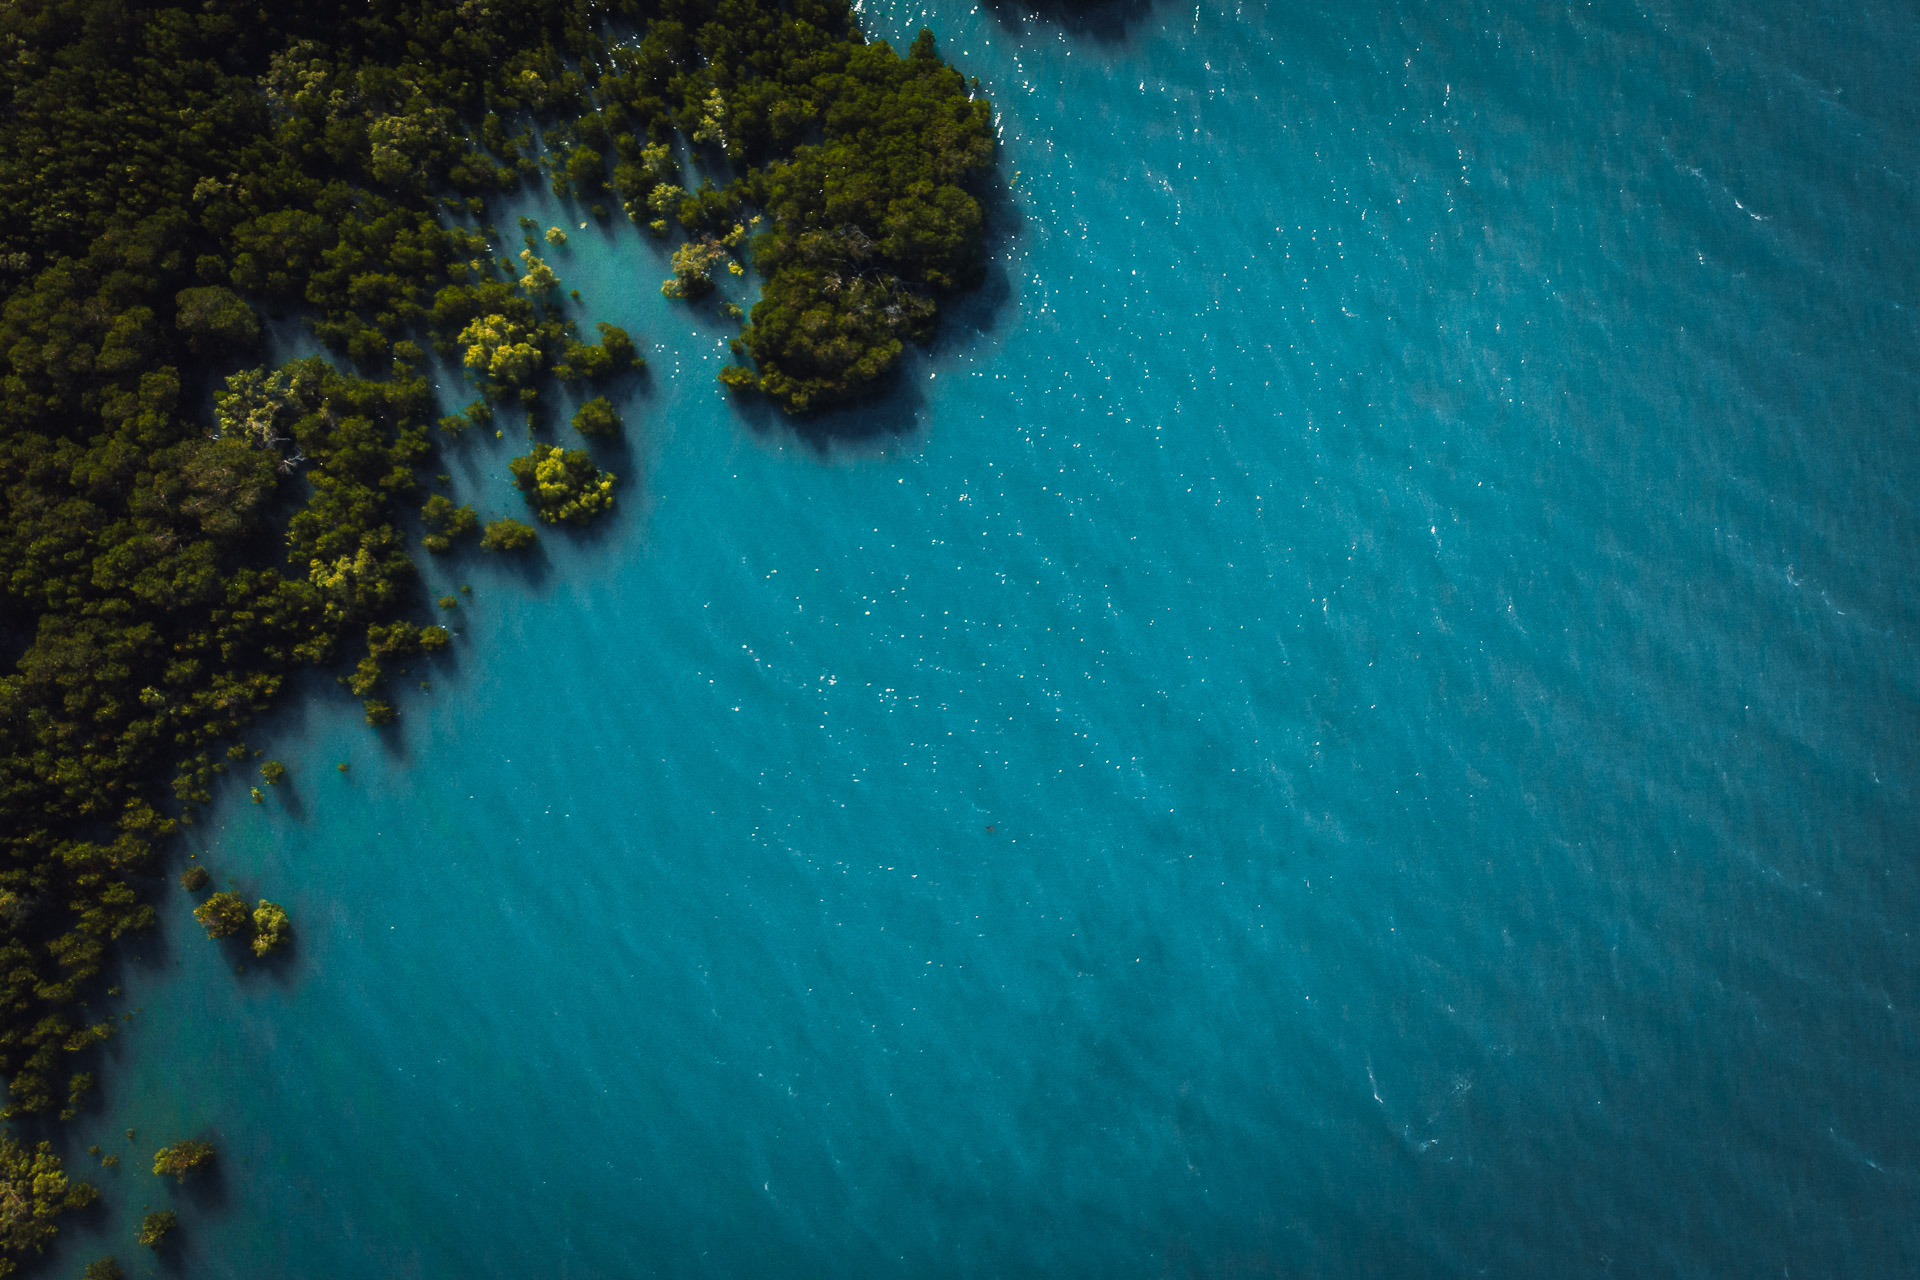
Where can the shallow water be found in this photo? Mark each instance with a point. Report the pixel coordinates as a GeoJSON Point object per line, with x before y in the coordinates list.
{"type": "Point", "coordinates": [1355, 715]}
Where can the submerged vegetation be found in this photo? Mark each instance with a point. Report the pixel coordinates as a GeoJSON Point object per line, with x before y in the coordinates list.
{"type": "Point", "coordinates": [173, 175]}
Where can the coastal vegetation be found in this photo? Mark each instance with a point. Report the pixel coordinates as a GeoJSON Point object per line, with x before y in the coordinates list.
{"type": "Point", "coordinates": [34, 1190]}
{"type": "Point", "coordinates": [176, 175]}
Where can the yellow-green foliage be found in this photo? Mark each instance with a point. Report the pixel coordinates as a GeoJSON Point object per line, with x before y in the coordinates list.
{"type": "Point", "coordinates": [693, 264]}
{"type": "Point", "coordinates": [539, 280]}
{"type": "Point", "coordinates": [222, 915]}
{"type": "Point", "coordinates": [271, 929]}
{"type": "Point", "coordinates": [182, 1158]}
{"type": "Point", "coordinates": [563, 484]}
{"type": "Point", "coordinates": [497, 348]}
{"type": "Point", "coordinates": [34, 1190]}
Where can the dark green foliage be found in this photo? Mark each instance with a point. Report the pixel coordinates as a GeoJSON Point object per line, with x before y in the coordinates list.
{"type": "Point", "coordinates": [215, 321]}
{"type": "Point", "coordinates": [182, 1158]}
{"type": "Point", "coordinates": [103, 1269]}
{"type": "Point", "coordinates": [869, 224]}
{"type": "Point", "coordinates": [155, 1227]}
{"type": "Point", "coordinates": [563, 484]}
{"type": "Point", "coordinates": [507, 534]}
{"type": "Point", "coordinates": [596, 418]}
{"type": "Point", "coordinates": [613, 355]}
{"type": "Point", "coordinates": [273, 771]}
{"type": "Point", "coordinates": [445, 523]}
{"type": "Point", "coordinates": [194, 879]}
{"type": "Point", "coordinates": [34, 1190]}
{"type": "Point", "coordinates": [477, 414]}
{"type": "Point", "coordinates": [222, 915]}
{"type": "Point", "coordinates": [617, 343]}
{"type": "Point", "coordinates": [824, 327]}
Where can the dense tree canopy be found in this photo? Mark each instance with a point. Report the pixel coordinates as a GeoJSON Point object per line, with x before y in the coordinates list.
{"type": "Point", "coordinates": [34, 1190]}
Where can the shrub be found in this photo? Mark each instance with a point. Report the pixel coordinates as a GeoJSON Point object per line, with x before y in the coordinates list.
{"type": "Point", "coordinates": [507, 534]}
{"type": "Point", "coordinates": [596, 418]}
{"type": "Point", "coordinates": [222, 915]}
{"type": "Point", "coordinates": [271, 929]}
{"type": "Point", "coordinates": [445, 522]}
{"type": "Point", "coordinates": [155, 1226]}
{"type": "Point", "coordinates": [182, 1158]}
{"type": "Point", "coordinates": [563, 484]}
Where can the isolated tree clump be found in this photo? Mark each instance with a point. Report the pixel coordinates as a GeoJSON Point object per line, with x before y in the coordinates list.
{"type": "Point", "coordinates": [182, 1158]}
{"type": "Point", "coordinates": [271, 929]}
{"type": "Point", "coordinates": [597, 417]}
{"type": "Point", "coordinates": [222, 915]}
{"type": "Point", "coordinates": [507, 534]}
{"type": "Point", "coordinates": [563, 484]}
{"type": "Point", "coordinates": [155, 1227]}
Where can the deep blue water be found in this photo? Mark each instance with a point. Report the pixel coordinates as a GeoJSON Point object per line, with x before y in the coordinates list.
{"type": "Point", "coordinates": [1356, 715]}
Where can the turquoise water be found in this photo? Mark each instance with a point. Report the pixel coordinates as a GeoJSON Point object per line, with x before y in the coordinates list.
{"type": "Point", "coordinates": [1356, 715]}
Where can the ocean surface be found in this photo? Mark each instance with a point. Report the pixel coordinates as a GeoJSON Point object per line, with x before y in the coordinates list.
{"type": "Point", "coordinates": [1357, 714]}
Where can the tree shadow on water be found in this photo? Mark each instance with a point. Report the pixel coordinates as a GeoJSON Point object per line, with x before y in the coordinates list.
{"type": "Point", "coordinates": [206, 1187]}
{"type": "Point", "coordinates": [970, 317]}
{"type": "Point", "coordinates": [890, 412]}
{"type": "Point", "coordinates": [1107, 22]}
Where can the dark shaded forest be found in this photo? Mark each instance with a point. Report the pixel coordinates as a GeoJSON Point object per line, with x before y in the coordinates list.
{"type": "Point", "coordinates": [172, 175]}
